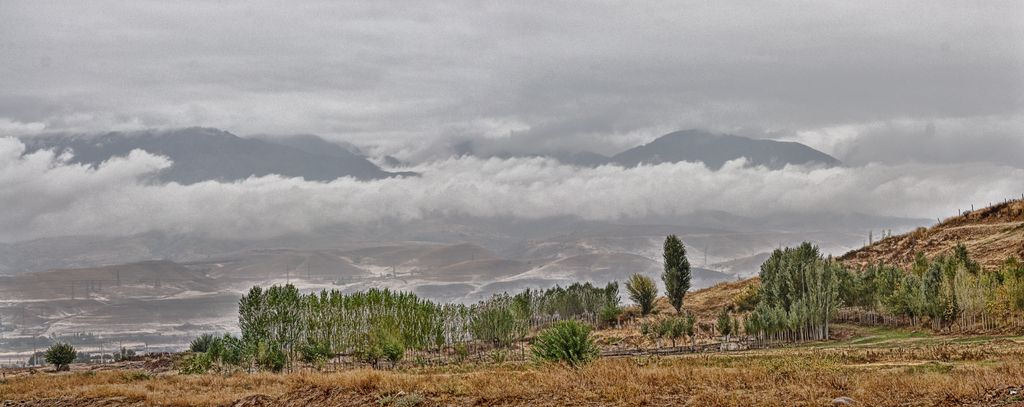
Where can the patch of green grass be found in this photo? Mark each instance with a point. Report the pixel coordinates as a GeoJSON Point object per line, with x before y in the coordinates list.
{"type": "Point", "coordinates": [879, 335]}
{"type": "Point", "coordinates": [930, 367]}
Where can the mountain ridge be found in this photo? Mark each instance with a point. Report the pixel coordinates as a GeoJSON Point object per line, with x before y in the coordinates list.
{"type": "Point", "coordinates": [204, 154]}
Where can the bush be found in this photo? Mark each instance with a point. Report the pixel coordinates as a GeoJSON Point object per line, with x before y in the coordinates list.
{"type": "Point", "coordinates": [392, 349]}
{"type": "Point", "coordinates": [748, 299]}
{"type": "Point", "coordinates": [461, 352]}
{"type": "Point", "coordinates": [369, 351]}
{"type": "Point", "coordinates": [316, 352]}
{"type": "Point", "coordinates": [269, 356]}
{"type": "Point", "coordinates": [565, 341]}
{"type": "Point", "coordinates": [610, 314]}
{"type": "Point", "coordinates": [60, 355]}
{"type": "Point", "coordinates": [233, 350]}
{"type": "Point", "coordinates": [202, 343]}
{"type": "Point", "coordinates": [642, 291]}
{"type": "Point", "coordinates": [196, 363]}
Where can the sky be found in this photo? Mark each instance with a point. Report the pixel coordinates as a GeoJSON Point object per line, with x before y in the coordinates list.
{"type": "Point", "coordinates": [922, 100]}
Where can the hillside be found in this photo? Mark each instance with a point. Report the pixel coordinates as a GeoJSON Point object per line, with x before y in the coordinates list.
{"type": "Point", "coordinates": [990, 234]}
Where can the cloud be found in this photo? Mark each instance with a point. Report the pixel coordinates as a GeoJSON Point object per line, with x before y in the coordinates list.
{"type": "Point", "coordinates": [604, 77]}
{"type": "Point", "coordinates": [46, 195]}
{"type": "Point", "coordinates": [998, 140]}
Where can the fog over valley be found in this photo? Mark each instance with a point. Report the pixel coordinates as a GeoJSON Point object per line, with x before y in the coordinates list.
{"type": "Point", "coordinates": [158, 161]}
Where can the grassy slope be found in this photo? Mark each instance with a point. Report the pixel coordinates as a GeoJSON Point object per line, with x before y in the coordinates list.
{"type": "Point", "coordinates": [873, 366]}
{"type": "Point", "coordinates": [991, 235]}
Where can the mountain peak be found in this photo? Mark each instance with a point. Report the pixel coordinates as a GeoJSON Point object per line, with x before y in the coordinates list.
{"type": "Point", "coordinates": [714, 150]}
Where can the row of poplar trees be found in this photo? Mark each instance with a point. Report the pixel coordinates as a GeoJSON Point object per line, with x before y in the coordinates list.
{"type": "Point", "coordinates": [801, 292]}
{"type": "Point", "coordinates": [380, 321]}
{"type": "Point", "coordinates": [798, 297]}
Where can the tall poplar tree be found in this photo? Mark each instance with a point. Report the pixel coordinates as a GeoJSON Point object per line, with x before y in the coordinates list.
{"type": "Point", "coordinates": [677, 272]}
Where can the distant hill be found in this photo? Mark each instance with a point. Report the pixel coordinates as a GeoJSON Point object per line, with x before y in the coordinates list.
{"type": "Point", "coordinates": [714, 150]}
{"type": "Point", "coordinates": [202, 154]}
{"type": "Point", "coordinates": [147, 278]}
{"type": "Point", "coordinates": [748, 266]}
{"type": "Point", "coordinates": [990, 234]}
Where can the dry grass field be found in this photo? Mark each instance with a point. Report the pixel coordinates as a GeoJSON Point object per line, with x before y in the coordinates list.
{"type": "Point", "coordinates": [873, 367]}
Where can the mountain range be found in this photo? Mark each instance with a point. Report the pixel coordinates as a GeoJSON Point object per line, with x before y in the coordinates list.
{"type": "Point", "coordinates": [711, 149]}
{"type": "Point", "coordinates": [203, 154]}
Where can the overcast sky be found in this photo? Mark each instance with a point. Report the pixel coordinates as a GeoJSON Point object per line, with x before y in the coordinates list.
{"type": "Point", "coordinates": [923, 100]}
{"type": "Point", "coordinates": [865, 81]}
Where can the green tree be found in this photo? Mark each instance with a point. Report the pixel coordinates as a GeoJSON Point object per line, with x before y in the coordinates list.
{"type": "Point", "coordinates": [724, 324]}
{"type": "Point", "coordinates": [800, 293]}
{"type": "Point", "coordinates": [677, 272]}
{"type": "Point", "coordinates": [642, 291]}
{"type": "Point", "coordinates": [60, 355]}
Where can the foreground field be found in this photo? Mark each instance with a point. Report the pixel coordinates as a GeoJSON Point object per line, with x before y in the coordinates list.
{"type": "Point", "coordinates": [871, 367]}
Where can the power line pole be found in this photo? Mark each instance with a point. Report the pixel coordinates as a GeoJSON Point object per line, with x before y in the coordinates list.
{"type": "Point", "coordinates": [705, 254]}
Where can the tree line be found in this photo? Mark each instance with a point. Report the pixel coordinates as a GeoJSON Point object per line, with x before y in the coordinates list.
{"type": "Point", "coordinates": [801, 292]}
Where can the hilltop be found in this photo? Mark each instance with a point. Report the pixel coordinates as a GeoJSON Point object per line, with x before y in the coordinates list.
{"type": "Point", "coordinates": [990, 234]}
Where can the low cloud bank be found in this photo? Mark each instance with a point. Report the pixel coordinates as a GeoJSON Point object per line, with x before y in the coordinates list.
{"type": "Point", "coordinates": [45, 195]}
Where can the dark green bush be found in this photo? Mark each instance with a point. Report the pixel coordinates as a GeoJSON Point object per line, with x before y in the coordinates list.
{"type": "Point", "coordinates": [202, 343]}
{"type": "Point", "coordinates": [60, 355]}
{"type": "Point", "coordinates": [567, 342]}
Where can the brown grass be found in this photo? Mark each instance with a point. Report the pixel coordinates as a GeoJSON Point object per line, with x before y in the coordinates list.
{"type": "Point", "coordinates": [990, 234]}
{"type": "Point", "coordinates": [902, 373]}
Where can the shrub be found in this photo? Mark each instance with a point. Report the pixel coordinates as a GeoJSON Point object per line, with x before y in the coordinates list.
{"type": "Point", "coordinates": [610, 314]}
{"type": "Point", "coordinates": [370, 352]}
{"type": "Point", "coordinates": [316, 352]}
{"type": "Point", "coordinates": [202, 343]}
{"type": "Point", "coordinates": [60, 355]}
{"type": "Point", "coordinates": [196, 363]}
{"type": "Point", "coordinates": [748, 299]}
{"type": "Point", "coordinates": [642, 291]}
{"type": "Point", "coordinates": [269, 356]}
{"type": "Point", "coordinates": [461, 352]}
{"type": "Point", "coordinates": [233, 351]}
{"type": "Point", "coordinates": [565, 341]}
{"type": "Point", "coordinates": [392, 349]}
{"type": "Point", "coordinates": [724, 323]}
